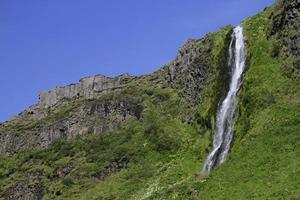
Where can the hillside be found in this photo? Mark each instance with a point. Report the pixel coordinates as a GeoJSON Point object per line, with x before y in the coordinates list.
{"type": "Point", "coordinates": [147, 137]}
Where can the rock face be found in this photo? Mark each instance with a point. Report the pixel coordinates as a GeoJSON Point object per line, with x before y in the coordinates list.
{"type": "Point", "coordinates": [286, 26]}
{"type": "Point", "coordinates": [90, 117]}
{"type": "Point", "coordinates": [189, 70]}
{"type": "Point", "coordinates": [286, 22]}
{"type": "Point", "coordinates": [92, 107]}
{"type": "Point", "coordinates": [88, 87]}
{"type": "Point", "coordinates": [30, 189]}
{"type": "Point", "coordinates": [113, 167]}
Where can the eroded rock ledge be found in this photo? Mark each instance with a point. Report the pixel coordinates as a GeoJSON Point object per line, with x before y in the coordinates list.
{"type": "Point", "coordinates": [87, 87]}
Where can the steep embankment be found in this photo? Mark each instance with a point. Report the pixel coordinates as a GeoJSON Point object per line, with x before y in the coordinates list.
{"type": "Point", "coordinates": [146, 137]}
{"type": "Point", "coordinates": [117, 138]}
{"type": "Point", "coordinates": [264, 162]}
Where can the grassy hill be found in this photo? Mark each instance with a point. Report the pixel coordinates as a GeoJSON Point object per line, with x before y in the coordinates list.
{"type": "Point", "coordinates": [160, 155]}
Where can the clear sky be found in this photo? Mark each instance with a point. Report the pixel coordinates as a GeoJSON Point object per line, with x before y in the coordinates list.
{"type": "Point", "coordinates": [48, 43]}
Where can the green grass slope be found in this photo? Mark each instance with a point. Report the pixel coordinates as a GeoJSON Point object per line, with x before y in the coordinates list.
{"type": "Point", "coordinates": [113, 166]}
{"type": "Point", "coordinates": [159, 156]}
{"type": "Point", "coordinates": [148, 158]}
{"type": "Point", "coordinates": [264, 162]}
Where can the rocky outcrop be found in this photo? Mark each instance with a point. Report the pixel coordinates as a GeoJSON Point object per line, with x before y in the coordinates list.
{"type": "Point", "coordinates": [88, 87]}
{"type": "Point", "coordinates": [90, 117]}
{"type": "Point", "coordinates": [96, 104]}
{"type": "Point", "coordinates": [285, 25]}
{"type": "Point", "coordinates": [113, 167]}
{"type": "Point", "coordinates": [30, 188]}
{"type": "Point", "coordinates": [63, 171]}
{"type": "Point", "coordinates": [189, 70]}
{"type": "Point", "coordinates": [66, 112]}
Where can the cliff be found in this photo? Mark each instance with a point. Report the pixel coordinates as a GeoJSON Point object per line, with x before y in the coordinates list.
{"type": "Point", "coordinates": [147, 137]}
{"type": "Point", "coordinates": [88, 87]}
{"type": "Point", "coordinates": [99, 104]}
{"type": "Point", "coordinates": [285, 26]}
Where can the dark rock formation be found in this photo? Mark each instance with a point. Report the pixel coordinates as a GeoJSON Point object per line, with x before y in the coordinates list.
{"type": "Point", "coordinates": [63, 171]}
{"type": "Point", "coordinates": [90, 117]}
{"type": "Point", "coordinates": [189, 70]}
{"type": "Point", "coordinates": [285, 25]}
{"type": "Point", "coordinates": [114, 166]}
{"type": "Point", "coordinates": [30, 188]}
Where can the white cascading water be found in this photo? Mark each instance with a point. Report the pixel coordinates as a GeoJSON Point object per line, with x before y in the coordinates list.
{"type": "Point", "coordinates": [226, 117]}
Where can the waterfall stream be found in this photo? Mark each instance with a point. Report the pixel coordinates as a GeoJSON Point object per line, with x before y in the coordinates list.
{"type": "Point", "coordinates": [226, 115]}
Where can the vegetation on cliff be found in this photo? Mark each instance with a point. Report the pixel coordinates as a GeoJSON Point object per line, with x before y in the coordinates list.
{"type": "Point", "coordinates": [158, 154]}
{"type": "Point", "coordinates": [146, 157]}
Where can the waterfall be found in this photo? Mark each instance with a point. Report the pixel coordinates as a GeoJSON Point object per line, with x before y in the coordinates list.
{"type": "Point", "coordinates": [226, 117]}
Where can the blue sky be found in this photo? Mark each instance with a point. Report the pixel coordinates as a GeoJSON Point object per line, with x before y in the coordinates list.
{"type": "Point", "coordinates": [48, 43]}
